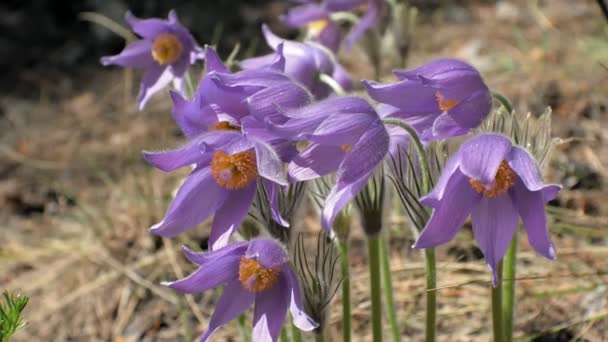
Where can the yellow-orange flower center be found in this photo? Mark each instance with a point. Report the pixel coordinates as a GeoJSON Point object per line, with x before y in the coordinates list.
{"type": "Point", "coordinates": [444, 103]}
{"type": "Point", "coordinates": [346, 148]}
{"type": "Point", "coordinates": [504, 180]}
{"type": "Point", "coordinates": [255, 278]}
{"type": "Point", "coordinates": [224, 126]}
{"type": "Point", "coordinates": [166, 48]}
{"type": "Point", "coordinates": [316, 27]}
{"type": "Point", "coordinates": [234, 171]}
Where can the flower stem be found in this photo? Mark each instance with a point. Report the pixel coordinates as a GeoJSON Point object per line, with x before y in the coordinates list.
{"type": "Point", "coordinates": [387, 280]}
{"type": "Point", "coordinates": [373, 248]}
{"type": "Point", "coordinates": [242, 328]}
{"type": "Point", "coordinates": [296, 335]}
{"type": "Point", "coordinates": [503, 101]}
{"type": "Point", "coordinates": [431, 293]}
{"type": "Point", "coordinates": [508, 295]}
{"type": "Point", "coordinates": [346, 323]}
{"type": "Point", "coordinates": [284, 337]}
{"type": "Point", "coordinates": [497, 318]}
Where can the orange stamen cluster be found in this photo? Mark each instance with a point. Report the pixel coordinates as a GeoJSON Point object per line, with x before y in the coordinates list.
{"type": "Point", "coordinates": [255, 278]}
{"type": "Point", "coordinates": [224, 126]}
{"type": "Point", "coordinates": [234, 171]}
{"type": "Point", "coordinates": [166, 48]}
{"type": "Point", "coordinates": [504, 180]}
{"type": "Point", "coordinates": [444, 104]}
{"type": "Point", "coordinates": [346, 148]}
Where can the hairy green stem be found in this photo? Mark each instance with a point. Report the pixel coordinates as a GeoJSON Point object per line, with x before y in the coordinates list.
{"type": "Point", "coordinates": [497, 318]}
{"type": "Point", "coordinates": [503, 101]}
{"type": "Point", "coordinates": [508, 295]}
{"type": "Point", "coordinates": [243, 331]}
{"type": "Point", "coordinates": [429, 253]}
{"type": "Point", "coordinates": [346, 312]}
{"type": "Point", "coordinates": [284, 337]}
{"type": "Point", "coordinates": [431, 294]}
{"type": "Point", "coordinates": [387, 280]}
{"type": "Point", "coordinates": [373, 249]}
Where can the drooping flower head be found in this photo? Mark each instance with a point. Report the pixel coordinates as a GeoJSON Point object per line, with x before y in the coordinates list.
{"type": "Point", "coordinates": [316, 18]}
{"type": "Point", "coordinates": [304, 62]}
{"type": "Point", "coordinates": [494, 182]}
{"type": "Point", "coordinates": [347, 137]}
{"type": "Point", "coordinates": [255, 272]}
{"type": "Point", "coordinates": [166, 50]}
{"type": "Point", "coordinates": [441, 99]}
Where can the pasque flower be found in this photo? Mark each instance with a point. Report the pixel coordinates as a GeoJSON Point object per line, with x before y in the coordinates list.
{"type": "Point", "coordinates": [223, 182]}
{"type": "Point", "coordinates": [494, 182]}
{"type": "Point", "coordinates": [317, 20]}
{"type": "Point", "coordinates": [166, 50]}
{"type": "Point", "coordinates": [372, 10]}
{"type": "Point", "coordinates": [255, 272]}
{"type": "Point", "coordinates": [304, 62]}
{"type": "Point", "coordinates": [346, 136]}
{"type": "Point", "coordinates": [441, 99]}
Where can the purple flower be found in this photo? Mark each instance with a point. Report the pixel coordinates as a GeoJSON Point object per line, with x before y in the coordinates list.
{"type": "Point", "coordinates": [304, 62]}
{"type": "Point", "coordinates": [372, 9]}
{"type": "Point", "coordinates": [346, 136]}
{"type": "Point", "coordinates": [441, 99]}
{"type": "Point", "coordinates": [320, 27]}
{"type": "Point", "coordinates": [495, 182]}
{"type": "Point", "coordinates": [239, 101]}
{"type": "Point", "coordinates": [166, 50]}
{"type": "Point", "coordinates": [255, 272]}
{"type": "Point", "coordinates": [223, 182]}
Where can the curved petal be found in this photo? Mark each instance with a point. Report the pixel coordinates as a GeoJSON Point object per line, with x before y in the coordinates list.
{"type": "Point", "coordinates": [444, 127]}
{"type": "Point", "coordinates": [155, 79]}
{"type": "Point", "coordinates": [213, 62]}
{"type": "Point", "coordinates": [315, 161]}
{"type": "Point", "coordinates": [531, 207]}
{"type": "Point", "coordinates": [267, 252]}
{"type": "Point", "coordinates": [191, 118]}
{"type": "Point", "coordinates": [451, 211]}
{"type": "Point", "coordinates": [217, 272]}
{"type": "Point", "coordinates": [234, 301]}
{"type": "Point", "coordinates": [269, 163]}
{"type": "Point", "coordinates": [412, 98]}
{"type": "Point", "coordinates": [434, 68]}
{"type": "Point", "coordinates": [269, 312]}
{"type": "Point", "coordinates": [470, 112]}
{"type": "Point", "coordinates": [300, 318]}
{"type": "Point", "coordinates": [331, 37]}
{"type": "Point", "coordinates": [272, 192]}
{"type": "Point", "coordinates": [366, 22]}
{"type": "Point", "coordinates": [342, 128]}
{"type": "Point", "coordinates": [201, 258]}
{"type": "Point", "coordinates": [342, 76]}
{"type": "Point", "coordinates": [265, 102]}
{"type": "Point", "coordinates": [257, 62]}
{"type": "Point", "coordinates": [433, 199]}
{"type": "Point", "coordinates": [302, 15]}
{"type": "Point", "coordinates": [147, 28]}
{"type": "Point", "coordinates": [528, 171]}
{"type": "Point", "coordinates": [481, 156]}
{"type": "Point", "coordinates": [494, 221]}
{"type": "Point", "coordinates": [229, 217]}
{"type": "Point", "coordinates": [135, 55]}
{"type": "Point", "coordinates": [197, 199]}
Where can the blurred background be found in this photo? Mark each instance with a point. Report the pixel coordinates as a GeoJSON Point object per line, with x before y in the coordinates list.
{"type": "Point", "coordinates": [76, 198]}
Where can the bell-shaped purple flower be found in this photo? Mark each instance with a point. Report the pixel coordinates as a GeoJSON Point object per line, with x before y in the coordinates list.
{"type": "Point", "coordinates": [166, 50]}
{"type": "Point", "coordinates": [227, 167]}
{"type": "Point", "coordinates": [256, 273]}
{"type": "Point", "coordinates": [441, 99]}
{"type": "Point", "coordinates": [346, 136]}
{"type": "Point", "coordinates": [494, 182]}
{"type": "Point", "coordinates": [316, 18]}
{"type": "Point", "coordinates": [304, 62]}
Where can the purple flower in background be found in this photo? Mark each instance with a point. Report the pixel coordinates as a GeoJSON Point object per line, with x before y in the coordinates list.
{"type": "Point", "coordinates": [226, 101]}
{"type": "Point", "coordinates": [166, 50]}
{"type": "Point", "coordinates": [441, 99]}
{"type": "Point", "coordinates": [372, 10]}
{"type": "Point", "coordinates": [223, 182]}
{"type": "Point", "coordinates": [316, 18]}
{"type": "Point", "coordinates": [495, 182]}
{"type": "Point", "coordinates": [346, 136]}
{"type": "Point", "coordinates": [255, 272]}
{"type": "Point", "coordinates": [304, 62]}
